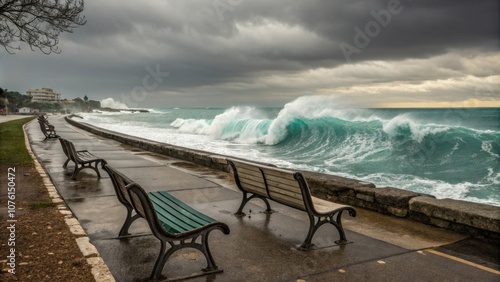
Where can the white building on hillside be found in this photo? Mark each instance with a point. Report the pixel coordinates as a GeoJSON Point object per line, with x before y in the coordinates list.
{"type": "Point", "coordinates": [44, 95]}
{"type": "Point", "coordinates": [27, 111]}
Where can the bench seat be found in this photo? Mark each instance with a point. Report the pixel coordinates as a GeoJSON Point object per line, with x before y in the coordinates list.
{"type": "Point", "coordinates": [175, 216]}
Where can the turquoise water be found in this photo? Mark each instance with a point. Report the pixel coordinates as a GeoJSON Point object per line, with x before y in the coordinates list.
{"type": "Point", "coordinates": [448, 153]}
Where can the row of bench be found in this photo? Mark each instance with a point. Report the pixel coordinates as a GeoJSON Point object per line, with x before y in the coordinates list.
{"type": "Point", "coordinates": [174, 223]}
{"type": "Point", "coordinates": [48, 130]}
{"type": "Point", "coordinates": [179, 225]}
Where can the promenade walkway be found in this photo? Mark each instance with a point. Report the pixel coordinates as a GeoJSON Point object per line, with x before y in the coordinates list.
{"type": "Point", "coordinates": [7, 118]}
{"type": "Point", "coordinates": [260, 247]}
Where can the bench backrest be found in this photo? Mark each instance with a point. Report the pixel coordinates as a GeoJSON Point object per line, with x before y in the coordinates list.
{"type": "Point", "coordinates": [120, 183]}
{"type": "Point", "coordinates": [70, 150]}
{"type": "Point", "coordinates": [136, 199]}
{"type": "Point", "coordinates": [42, 119]}
{"type": "Point", "coordinates": [248, 177]}
{"type": "Point", "coordinates": [63, 145]}
{"type": "Point", "coordinates": [143, 206]}
{"type": "Point", "coordinates": [284, 188]}
{"type": "Point", "coordinates": [280, 185]}
{"type": "Point", "coordinates": [43, 128]}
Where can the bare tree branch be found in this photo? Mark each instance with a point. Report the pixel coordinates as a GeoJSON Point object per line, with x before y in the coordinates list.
{"type": "Point", "coordinates": [38, 23]}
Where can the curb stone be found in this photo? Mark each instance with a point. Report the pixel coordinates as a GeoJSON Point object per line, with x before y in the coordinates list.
{"type": "Point", "coordinates": [99, 269]}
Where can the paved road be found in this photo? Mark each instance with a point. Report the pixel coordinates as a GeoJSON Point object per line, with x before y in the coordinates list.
{"type": "Point", "coordinates": [11, 117]}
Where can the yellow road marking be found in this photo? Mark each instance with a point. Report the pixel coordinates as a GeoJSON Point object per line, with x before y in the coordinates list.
{"type": "Point", "coordinates": [464, 261]}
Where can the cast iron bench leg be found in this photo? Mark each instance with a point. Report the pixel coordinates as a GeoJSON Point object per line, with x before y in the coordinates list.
{"type": "Point", "coordinates": [314, 226]}
{"type": "Point", "coordinates": [128, 222]}
{"type": "Point", "coordinates": [83, 166]}
{"type": "Point", "coordinates": [202, 247]}
{"type": "Point", "coordinates": [205, 249]}
{"type": "Point", "coordinates": [246, 199]}
{"type": "Point", "coordinates": [162, 259]}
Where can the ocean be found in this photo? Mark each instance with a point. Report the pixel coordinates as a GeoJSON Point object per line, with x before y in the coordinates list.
{"type": "Point", "coordinates": [446, 152]}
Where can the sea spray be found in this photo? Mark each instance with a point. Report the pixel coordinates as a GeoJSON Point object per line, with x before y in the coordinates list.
{"type": "Point", "coordinates": [111, 103]}
{"type": "Point", "coordinates": [238, 124]}
{"type": "Point", "coordinates": [417, 131]}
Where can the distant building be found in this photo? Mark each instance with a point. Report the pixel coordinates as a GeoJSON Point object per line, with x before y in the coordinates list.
{"type": "Point", "coordinates": [44, 95]}
{"type": "Point", "coordinates": [27, 111]}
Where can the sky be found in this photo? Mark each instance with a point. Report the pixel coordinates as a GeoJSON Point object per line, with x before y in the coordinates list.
{"type": "Point", "coordinates": [221, 53]}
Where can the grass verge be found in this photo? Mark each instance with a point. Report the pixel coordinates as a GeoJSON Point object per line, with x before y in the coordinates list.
{"type": "Point", "coordinates": [39, 205]}
{"type": "Point", "coordinates": [14, 151]}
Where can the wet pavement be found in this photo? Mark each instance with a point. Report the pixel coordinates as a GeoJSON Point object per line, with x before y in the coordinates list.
{"type": "Point", "coordinates": [260, 247]}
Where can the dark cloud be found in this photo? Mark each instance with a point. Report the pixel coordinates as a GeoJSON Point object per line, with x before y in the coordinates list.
{"type": "Point", "coordinates": [228, 52]}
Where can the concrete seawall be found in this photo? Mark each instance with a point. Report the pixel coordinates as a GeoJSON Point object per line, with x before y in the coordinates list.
{"type": "Point", "coordinates": [476, 220]}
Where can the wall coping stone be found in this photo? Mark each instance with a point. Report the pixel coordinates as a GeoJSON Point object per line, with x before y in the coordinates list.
{"type": "Point", "coordinates": [477, 215]}
{"type": "Point", "coordinates": [396, 197]}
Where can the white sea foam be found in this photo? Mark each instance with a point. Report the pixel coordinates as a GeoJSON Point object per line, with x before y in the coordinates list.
{"type": "Point", "coordinates": [418, 131]}
{"type": "Point", "coordinates": [111, 103]}
{"type": "Point", "coordinates": [487, 146]}
{"type": "Point", "coordinates": [215, 128]}
{"type": "Point", "coordinates": [494, 177]}
{"type": "Point", "coordinates": [196, 126]}
{"type": "Point", "coordinates": [302, 107]}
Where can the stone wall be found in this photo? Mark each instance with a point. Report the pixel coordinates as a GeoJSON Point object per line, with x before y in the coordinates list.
{"type": "Point", "coordinates": [473, 219]}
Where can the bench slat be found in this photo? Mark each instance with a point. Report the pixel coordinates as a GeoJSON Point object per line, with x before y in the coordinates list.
{"type": "Point", "coordinates": [244, 165]}
{"type": "Point", "coordinates": [255, 189]}
{"type": "Point", "coordinates": [324, 206]}
{"type": "Point", "coordinates": [253, 184]}
{"type": "Point", "coordinates": [174, 215]}
{"type": "Point", "coordinates": [251, 172]}
{"type": "Point", "coordinates": [286, 197]}
{"type": "Point", "coordinates": [174, 221]}
{"type": "Point", "coordinates": [281, 183]}
{"type": "Point", "coordinates": [251, 179]}
{"type": "Point", "coordinates": [204, 219]}
{"type": "Point", "coordinates": [283, 187]}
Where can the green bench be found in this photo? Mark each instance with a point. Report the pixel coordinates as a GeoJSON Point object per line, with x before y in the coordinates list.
{"type": "Point", "coordinates": [289, 188]}
{"type": "Point", "coordinates": [170, 220]}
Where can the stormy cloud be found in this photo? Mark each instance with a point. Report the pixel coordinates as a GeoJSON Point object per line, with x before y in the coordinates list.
{"type": "Point", "coordinates": [231, 52]}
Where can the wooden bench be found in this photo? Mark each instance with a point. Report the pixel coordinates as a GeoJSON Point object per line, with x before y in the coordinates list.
{"type": "Point", "coordinates": [82, 159]}
{"type": "Point", "coordinates": [170, 220]}
{"type": "Point", "coordinates": [47, 129]}
{"type": "Point", "coordinates": [289, 188]}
